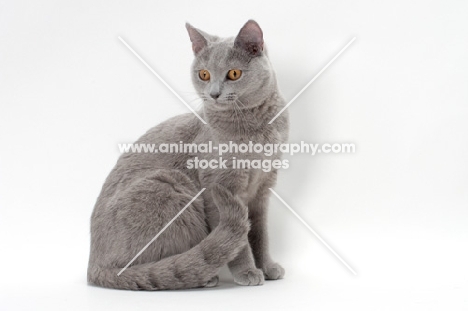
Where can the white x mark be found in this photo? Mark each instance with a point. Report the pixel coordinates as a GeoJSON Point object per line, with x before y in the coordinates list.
{"type": "Point", "coordinates": [279, 113]}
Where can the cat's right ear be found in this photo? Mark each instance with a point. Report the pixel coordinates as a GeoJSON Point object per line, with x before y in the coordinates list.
{"type": "Point", "coordinates": [198, 40]}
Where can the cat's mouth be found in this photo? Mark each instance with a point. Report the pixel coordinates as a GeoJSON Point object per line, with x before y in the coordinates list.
{"type": "Point", "coordinates": [225, 102]}
{"type": "Point", "coordinates": [221, 105]}
{"type": "Point", "coordinates": [228, 101]}
{"type": "Point", "coordinates": [221, 101]}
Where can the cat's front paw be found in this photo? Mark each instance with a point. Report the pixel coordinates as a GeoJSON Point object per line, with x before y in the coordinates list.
{"type": "Point", "coordinates": [249, 277]}
{"type": "Point", "coordinates": [273, 271]}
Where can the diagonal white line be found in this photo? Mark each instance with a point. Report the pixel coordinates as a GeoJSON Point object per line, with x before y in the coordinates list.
{"type": "Point", "coordinates": [161, 79]}
{"type": "Point", "coordinates": [159, 233]}
{"type": "Point", "coordinates": [313, 79]}
{"type": "Point", "coordinates": [315, 233]}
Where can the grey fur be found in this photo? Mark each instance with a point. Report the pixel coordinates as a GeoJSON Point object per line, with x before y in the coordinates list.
{"type": "Point", "coordinates": [227, 223]}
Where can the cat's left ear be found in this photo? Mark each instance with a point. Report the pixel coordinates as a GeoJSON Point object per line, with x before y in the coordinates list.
{"type": "Point", "coordinates": [198, 40]}
{"type": "Point", "coordinates": [250, 38]}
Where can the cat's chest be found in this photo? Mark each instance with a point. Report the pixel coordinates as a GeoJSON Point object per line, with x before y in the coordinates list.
{"type": "Point", "coordinates": [255, 179]}
{"type": "Point", "coordinates": [244, 162]}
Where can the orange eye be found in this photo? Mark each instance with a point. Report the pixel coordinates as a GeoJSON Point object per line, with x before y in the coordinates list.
{"type": "Point", "coordinates": [204, 75]}
{"type": "Point", "coordinates": [234, 74]}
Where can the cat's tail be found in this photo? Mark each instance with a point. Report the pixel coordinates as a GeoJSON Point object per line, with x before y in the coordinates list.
{"type": "Point", "coordinates": [193, 268]}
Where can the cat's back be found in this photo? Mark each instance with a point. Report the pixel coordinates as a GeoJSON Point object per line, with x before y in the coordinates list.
{"type": "Point", "coordinates": [184, 127]}
{"type": "Point", "coordinates": [141, 162]}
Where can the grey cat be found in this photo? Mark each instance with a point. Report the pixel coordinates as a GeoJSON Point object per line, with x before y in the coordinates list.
{"type": "Point", "coordinates": [224, 225]}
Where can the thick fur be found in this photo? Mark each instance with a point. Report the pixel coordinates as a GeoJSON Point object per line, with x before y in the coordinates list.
{"type": "Point", "coordinates": [227, 223]}
{"type": "Point", "coordinates": [194, 268]}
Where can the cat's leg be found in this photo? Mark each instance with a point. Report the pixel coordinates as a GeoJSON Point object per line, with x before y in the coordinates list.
{"type": "Point", "coordinates": [258, 234]}
{"type": "Point", "coordinates": [243, 268]}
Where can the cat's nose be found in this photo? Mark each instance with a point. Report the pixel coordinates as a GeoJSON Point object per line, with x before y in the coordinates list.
{"type": "Point", "coordinates": [215, 95]}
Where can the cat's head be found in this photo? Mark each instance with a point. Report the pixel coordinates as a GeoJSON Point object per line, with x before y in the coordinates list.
{"type": "Point", "coordinates": [231, 71]}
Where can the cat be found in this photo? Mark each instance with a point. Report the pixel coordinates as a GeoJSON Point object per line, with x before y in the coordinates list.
{"type": "Point", "coordinates": [226, 224]}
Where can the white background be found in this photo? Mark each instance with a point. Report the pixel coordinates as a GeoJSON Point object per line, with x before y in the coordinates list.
{"type": "Point", "coordinates": [396, 210]}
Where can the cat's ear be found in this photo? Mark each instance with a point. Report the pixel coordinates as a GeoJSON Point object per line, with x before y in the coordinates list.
{"type": "Point", "coordinates": [250, 38]}
{"type": "Point", "coordinates": [198, 40]}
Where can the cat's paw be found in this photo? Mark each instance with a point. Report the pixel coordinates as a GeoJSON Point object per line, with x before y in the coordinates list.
{"type": "Point", "coordinates": [213, 282]}
{"type": "Point", "coordinates": [273, 271]}
{"type": "Point", "coordinates": [249, 277]}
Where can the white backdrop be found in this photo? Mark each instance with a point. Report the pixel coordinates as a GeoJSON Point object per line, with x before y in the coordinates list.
{"type": "Point", "coordinates": [396, 210]}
